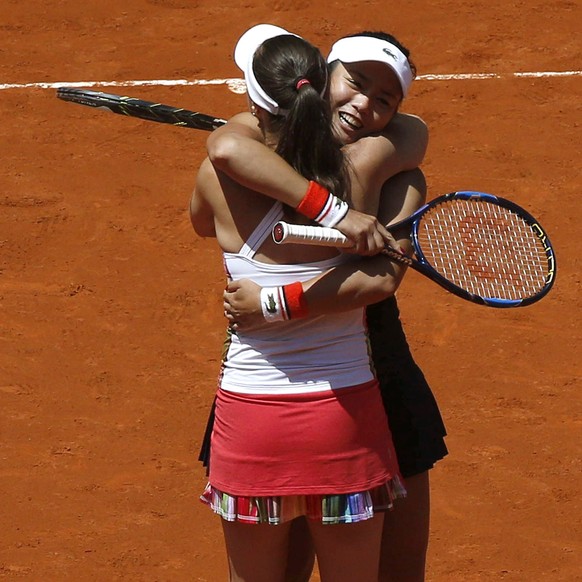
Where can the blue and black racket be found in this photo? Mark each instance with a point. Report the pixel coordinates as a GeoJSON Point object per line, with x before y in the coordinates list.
{"type": "Point", "coordinates": [483, 248]}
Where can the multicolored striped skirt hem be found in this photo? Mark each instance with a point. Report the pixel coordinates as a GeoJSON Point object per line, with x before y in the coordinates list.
{"type": "Point", "coordinates": [328, 509]}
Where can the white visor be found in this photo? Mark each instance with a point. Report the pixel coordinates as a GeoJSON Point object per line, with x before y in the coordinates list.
{"type": "Point", "coordinates": [355, 49]}
{"type": "Point", "coordinates": [244, 53]}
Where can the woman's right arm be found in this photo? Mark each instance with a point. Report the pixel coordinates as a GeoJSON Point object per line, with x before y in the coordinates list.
{"type": "Point", "coordinates": [351, 285]}
{"type": "Point", "coordinates": [237, 149]}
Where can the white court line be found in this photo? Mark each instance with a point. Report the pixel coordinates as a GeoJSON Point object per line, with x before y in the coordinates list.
{"type": "Point", "coordinates": [238, 85]}
{"type": "Point", "coordinates": [235, 85]}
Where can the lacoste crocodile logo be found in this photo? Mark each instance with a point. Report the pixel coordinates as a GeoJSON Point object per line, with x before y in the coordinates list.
{"type": "Point", "coordinates": [390, 53]}
{"type": "Point", "coordinates": [270, 304]}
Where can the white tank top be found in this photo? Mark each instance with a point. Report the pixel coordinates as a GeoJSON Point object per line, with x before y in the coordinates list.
{"type": "Point", "coordinates": [298, 356]}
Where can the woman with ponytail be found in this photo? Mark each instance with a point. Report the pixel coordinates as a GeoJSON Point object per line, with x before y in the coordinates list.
{"type": "Point", "coordinates": [299, 430]}
{"type": "Point", "coordinates": [370, 75]}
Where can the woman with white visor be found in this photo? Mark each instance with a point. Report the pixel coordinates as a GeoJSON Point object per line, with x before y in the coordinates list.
{"type": "Point", "coordinates": [300, 431]}
{"type": "Point", "coordinates": [370, 75]}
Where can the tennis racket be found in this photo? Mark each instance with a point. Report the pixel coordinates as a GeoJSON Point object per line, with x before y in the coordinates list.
{"type": "Point", "coordinates": [140, 108]}
{"type": "Point", "coordinates": [480, 247]}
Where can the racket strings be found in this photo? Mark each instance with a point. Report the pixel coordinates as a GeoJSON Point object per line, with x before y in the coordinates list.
{"type": "Point", "coordinates": [485, 249]}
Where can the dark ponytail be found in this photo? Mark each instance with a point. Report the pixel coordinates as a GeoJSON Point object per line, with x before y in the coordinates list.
{"type": "Point", "coordinates": [294, 73]}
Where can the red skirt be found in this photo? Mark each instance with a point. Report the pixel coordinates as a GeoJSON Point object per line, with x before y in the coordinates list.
{"type": "Point", "coordinates": [301, 444]}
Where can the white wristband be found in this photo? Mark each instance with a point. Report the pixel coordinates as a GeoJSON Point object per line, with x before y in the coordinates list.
{"type": "Point", "coordinates": [273, 304]}
{"type": "Point", "coordinates": [333, 212]}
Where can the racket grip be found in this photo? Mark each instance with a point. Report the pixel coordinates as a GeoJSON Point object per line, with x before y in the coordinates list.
{"type": "Point", "coordinates": [283, 233]}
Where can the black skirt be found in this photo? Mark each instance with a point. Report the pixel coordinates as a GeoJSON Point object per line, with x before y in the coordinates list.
{"type": "Point", "coordinates": [417, 427]}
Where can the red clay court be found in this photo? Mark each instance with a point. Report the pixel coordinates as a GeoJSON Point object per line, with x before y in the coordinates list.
{"type": "Point", "coordinates": [111, 323]}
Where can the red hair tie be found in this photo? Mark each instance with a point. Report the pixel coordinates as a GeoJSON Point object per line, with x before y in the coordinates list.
{"type": "Point", "coordinates": [301, 82]}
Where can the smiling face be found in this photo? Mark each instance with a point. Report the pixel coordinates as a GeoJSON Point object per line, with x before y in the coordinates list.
{"type": "Point", "coordinates": [364, 96]}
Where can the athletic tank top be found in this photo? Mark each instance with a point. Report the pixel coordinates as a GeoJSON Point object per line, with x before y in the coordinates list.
{"type": "Point", "coordinates": [298, 356]}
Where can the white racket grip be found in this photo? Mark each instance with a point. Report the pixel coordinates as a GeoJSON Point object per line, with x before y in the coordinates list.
{"type": "Point", "coordinates": [284, 233]}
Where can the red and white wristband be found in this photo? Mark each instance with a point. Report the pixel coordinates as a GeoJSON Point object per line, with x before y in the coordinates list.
{"type": "Point", "coordinates": [322, 206]}
{"type": "Point", "coordinates": [283, 303]}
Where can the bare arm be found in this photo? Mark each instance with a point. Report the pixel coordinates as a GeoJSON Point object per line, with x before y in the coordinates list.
{"type": "Point", "coordinates": [237, 149]}
{"type": "Point", "coordinates": [349, 286]}
{"type": "Point", "coordinates": [378, 158]}
{"type": "Point", "coordinates": [409, 133]}
{"type": "Point", "coordinates": [201, 211]}
{"type": "Point", "coordinates": [369, 280]}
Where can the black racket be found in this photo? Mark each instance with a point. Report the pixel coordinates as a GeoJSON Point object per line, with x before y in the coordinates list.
{"type": "Point", "coordinates": [478, 246]}
{"type": "Point", "coordinates": [140, 108]}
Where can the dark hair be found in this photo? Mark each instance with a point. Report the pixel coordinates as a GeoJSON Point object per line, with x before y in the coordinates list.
{"type": "Point", "coordinates": [304, 131]}
{"type": "Point", "coordinates": [392, 40]}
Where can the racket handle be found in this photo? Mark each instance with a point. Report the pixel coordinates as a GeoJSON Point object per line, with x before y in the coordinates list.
{"type": "Point", "coordinates": [283, 233]}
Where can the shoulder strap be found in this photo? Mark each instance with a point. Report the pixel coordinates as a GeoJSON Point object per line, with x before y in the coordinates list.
{"type": "Point", "coordinates": [263, 230]}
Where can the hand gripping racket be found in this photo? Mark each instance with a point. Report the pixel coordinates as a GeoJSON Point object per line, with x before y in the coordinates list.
{"type": "Point", "coordinates": [478, 246]}
{"type": "Point", "coordinates": [140, 108]}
